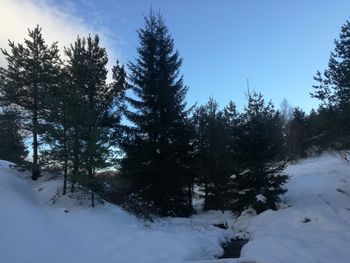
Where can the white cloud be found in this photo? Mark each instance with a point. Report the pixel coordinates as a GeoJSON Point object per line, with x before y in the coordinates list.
{"type": "Point", "coordinates": [58, 23]}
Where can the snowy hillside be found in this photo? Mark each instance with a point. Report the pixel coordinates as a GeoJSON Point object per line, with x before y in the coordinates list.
{"type": "Point", "coordinates": [314, 226]}
{"type": "Point", "coordinates": [32, 230]}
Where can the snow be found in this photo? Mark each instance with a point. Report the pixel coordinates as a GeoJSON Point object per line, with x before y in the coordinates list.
{"type": "Point", "coordinates": [312, 226]}
{"type": "Point", "coordinates": [260, 198]}
{"type": "Point", "coordinates": [32, 229]}
{"type": "Point", "coordinates": [315, 225]}
{"type": "Point", "coordinates": [233, 176]}
{"type": "Point", "coordinates": [245, 172]}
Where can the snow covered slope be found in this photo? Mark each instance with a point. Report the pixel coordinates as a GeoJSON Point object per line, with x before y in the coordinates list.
{"type": "Point", "coordinates": [32, 230]}
{"type": "Point", "coordinates": [316, 226]}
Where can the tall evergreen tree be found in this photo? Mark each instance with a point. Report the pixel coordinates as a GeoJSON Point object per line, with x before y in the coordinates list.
{"type": "Point", "coordinates": [58, 125]}
{"type": "Point", "coordinates": [32, 69]}
{"type": "Point", "coordinates": [157, 148]}
{"type": "Point", "coordinates": [76, 80]}
{"type": "Point", "coordinates": [333, 90]}
{"type": "Point", "coordinates": [12, 146]}
{"type": "Point", "coordinates": [95, 118]}
{"type": "Point", "coordinates": [259, 182]}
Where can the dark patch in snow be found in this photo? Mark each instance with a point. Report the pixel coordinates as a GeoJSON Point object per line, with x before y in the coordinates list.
{"type": "Point", "coordinates": [222, 226]}
{"type": "Point", "coordinates": [66, 211]}
{"type": "Point", "coordinates": [343, 192]}
{"type": "Point", "coordinates": [232, 248]}
{"type": "Point", "coordinates": [306, 220]}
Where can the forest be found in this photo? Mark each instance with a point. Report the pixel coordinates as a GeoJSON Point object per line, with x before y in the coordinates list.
{"type": "Point", "coordinates": [133, 140]}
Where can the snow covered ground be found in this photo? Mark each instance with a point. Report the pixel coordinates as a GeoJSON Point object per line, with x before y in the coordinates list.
{"type": "Point", "coordinates": [34, 230]}
{"type": "Point", "coordinates": [316, 225]}
{"type": "Point", "coordinates": [313, 227]}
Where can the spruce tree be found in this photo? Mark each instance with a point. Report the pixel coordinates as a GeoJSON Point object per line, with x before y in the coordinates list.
{"type": "Point", "coordinates": [231, 117]}
{"type": "Point", "coordinates": [214, 156]}
{"type": "Point", "coordinates": [32, 69]}
{"type": "Point", "coordinates": [157, 149]}
{"type": "Point", "coordinates": [259, 151]}
{"type": "Point", "coordinates": [12, 146]}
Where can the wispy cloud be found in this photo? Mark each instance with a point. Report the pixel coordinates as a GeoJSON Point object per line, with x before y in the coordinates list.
{"type": "Point", "coordinates": [59, 23]}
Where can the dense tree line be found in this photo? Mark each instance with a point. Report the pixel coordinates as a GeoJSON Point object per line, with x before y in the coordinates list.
{"type": "Point", "coordinates": [168, 151]}
{"type": "Point", "coordinates": [67, 106]}
{"type": "Point", "coordinates": [333, 90]}
{"type": "Point", "coordinates": [326, 128]}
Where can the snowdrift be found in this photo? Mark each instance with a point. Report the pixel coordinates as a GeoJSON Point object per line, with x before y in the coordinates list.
{"type": "Point", "coordinates": [313, 225]}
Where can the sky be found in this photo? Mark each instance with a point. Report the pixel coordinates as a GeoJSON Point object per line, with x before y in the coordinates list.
{"type": "Point", "coordinates": [277, 44]}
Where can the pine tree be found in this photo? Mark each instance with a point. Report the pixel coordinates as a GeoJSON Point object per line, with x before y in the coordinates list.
{"type": "Point", "coordinates": [231, 116]}
{"type": "Point", "coordinates": [157, 147]}
{"type": "Point", "coordinates": [260, 179]}
{"type": "Point", "coordinates": [31, 71]}
{"type": "Point", "coordinates": [333, 90]}
{"type": "Point", "coordinates": [96, 112]}
{"type": "Point", "coordinates": [214, 152]}
{"type": "Point", "coordinates": [200, 123]}
{"type": "Point", "coordinates": [12, 146]}
{"type": "Point", "coordinates": [76, 75]}
{"type": "Point", "coordinates": [58, 125]}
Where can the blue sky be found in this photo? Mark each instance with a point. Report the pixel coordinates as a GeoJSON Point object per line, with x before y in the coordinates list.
{"type": "Point", "coordinates": [277, 45]}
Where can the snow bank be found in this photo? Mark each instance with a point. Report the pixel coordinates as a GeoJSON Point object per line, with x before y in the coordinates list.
{"type": "Point", "coordinates": [34, 230]}
{"type": "Point", "coordinates": [5, 164]}
{"type": "Point", "coordinates": [316, 225]}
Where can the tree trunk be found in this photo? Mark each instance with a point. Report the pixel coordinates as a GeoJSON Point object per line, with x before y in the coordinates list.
{"type": "Point", "coordinates": [190, 197]}
{"type": "Point", "coordinates": [75, 159]}
{"type": "Point", "coordinates": [205, 193]}
{"type": "Point", "coordinates": [92, 199]}
{"type": "Point", "coordinates": [92, 182]}
{"type": "Point", "coordinates": [65, 178]}
{"type": "Point", "coordinates": [35, 166]}
{"type": "Point", "coordinates": [90, 158]}
{"type": "Point", "coordinates": [65, 162]}
{"type": "Point", "coordinates": [72, 187]}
